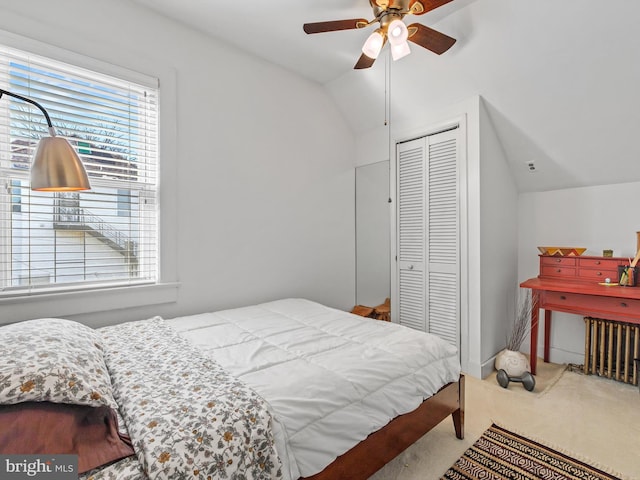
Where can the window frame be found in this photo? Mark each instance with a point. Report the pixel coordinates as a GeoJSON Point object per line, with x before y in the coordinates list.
{"type": "Point", "coordinates": [88, 299]}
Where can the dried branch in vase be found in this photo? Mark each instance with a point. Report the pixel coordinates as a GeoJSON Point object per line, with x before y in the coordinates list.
{"type": "Point", "coordinates": [522, 323]}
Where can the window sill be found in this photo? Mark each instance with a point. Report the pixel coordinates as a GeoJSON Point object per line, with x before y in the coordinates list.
{"type": "Point", "coordinates": [45, 305]}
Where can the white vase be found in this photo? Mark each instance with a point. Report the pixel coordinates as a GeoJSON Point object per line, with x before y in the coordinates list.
{"type": "Point", "coordinates": [512, 362]}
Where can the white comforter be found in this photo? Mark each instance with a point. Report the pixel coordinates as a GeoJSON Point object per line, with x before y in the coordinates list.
{"type": "Point", "coordinates": [331, 378]}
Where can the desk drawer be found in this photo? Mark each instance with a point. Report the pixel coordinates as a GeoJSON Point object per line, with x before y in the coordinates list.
{"type": "Point", "coordinates": [598, 275]}
{"type": "Point", "coordinates": [557, 271]}
{"type": "Point", "coordinates": [558, 261]}
{"type": "Point", "coordinates": [593, 305]}
{"type": "Point", "coordinates": [600, 263]}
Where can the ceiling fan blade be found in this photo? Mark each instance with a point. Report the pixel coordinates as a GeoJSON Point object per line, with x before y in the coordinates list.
{"type": "Point", "coordinates": [420, 7]}
{"type": "Point", "coordinates": [429, 38]}
{"type": "Point", "coordinates": [364, 62]}
{"type": "Point", "coordinates": [335, 25]}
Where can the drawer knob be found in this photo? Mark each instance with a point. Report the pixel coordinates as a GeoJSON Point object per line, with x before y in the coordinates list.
{"type": "Point", "coordinates": [599, 274]}
{"type": "Point", "coordinates": [597, 262]}
{"type": "Point", "coordinates": [562, 297]}
{"type": "Point", "coordinates": [623, 304]}
{"type": "Point", "coordinates": [558, 260]}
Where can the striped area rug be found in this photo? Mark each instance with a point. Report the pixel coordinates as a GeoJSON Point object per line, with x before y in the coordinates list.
{"type": "Point", "coordinates": [501, 454]}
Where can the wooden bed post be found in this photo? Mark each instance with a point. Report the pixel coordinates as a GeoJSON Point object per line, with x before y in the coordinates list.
{"type": "Point", "coordinates": [458, 415]}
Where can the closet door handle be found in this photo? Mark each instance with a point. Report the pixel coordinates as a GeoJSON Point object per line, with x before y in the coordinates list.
{"type": "Point", "coordinates": [410, 267]}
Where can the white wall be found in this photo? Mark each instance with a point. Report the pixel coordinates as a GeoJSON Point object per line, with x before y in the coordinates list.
{"type": "Point", "coordinates": [598, 218]}
{"type": "Point", "coordinates": [261, 202]}
{"type": "Point", "coordinates": [498, 238]}
{"type": "Point", "coordinates": [373, 231]}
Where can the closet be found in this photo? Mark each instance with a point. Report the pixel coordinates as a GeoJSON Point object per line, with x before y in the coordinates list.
{"type": "Point", "coordinates": [428, 234]}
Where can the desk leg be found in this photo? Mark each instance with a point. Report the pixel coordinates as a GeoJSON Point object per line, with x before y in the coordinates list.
{"type": "Point", "coordinates": [547, 334]}
{"type": "Point", "coordinates": [533, 353]}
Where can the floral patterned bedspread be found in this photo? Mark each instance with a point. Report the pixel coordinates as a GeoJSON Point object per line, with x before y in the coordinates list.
{"type": "Point", "coordinates": [186, 415]}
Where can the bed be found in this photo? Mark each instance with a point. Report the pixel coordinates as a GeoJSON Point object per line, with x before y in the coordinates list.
{"type": "Point", "coordinates": [287, 389]}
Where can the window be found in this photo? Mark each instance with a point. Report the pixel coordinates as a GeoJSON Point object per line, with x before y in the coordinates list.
{"type": "Point", "coordinates": [107, 236]}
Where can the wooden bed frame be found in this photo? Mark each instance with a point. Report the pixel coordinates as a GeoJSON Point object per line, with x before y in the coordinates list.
{"type": "Point", "coordinates": [382, 446]}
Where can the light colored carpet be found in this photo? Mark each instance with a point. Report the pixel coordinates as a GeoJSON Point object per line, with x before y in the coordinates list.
{"type": "Point", "coordinates": [593, 419]}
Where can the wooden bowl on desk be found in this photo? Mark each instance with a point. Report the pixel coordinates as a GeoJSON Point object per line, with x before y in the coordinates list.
{"type": "Point", "coordinates": [562, 251]}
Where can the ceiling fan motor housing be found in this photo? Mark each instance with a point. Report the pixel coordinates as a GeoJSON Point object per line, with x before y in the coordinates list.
{"type": "Point", "coordinates": [406, 6]}
{"type": "Point", "coordinates": [397, 4]}
{"type": "Point", "coordinates": [386, 11]}
{"type": "Point", "coordinates": [388, 17]}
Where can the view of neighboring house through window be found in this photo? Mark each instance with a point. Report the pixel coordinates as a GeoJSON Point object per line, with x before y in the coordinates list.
{"type": "Point", "coordinates": [105, 236]}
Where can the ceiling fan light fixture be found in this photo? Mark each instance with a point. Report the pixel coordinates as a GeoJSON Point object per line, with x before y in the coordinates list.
{"type": "Point", "coordinates": [397, 32]}
{"type": "Point", "coordinates": [400, 50]}
{"type": "Point", "coordinates": [389, 15]}
{"type": "Point", "coordinates": [373, 45]}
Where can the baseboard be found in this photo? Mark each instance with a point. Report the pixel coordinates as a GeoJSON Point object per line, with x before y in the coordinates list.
{"type": "Point", "coordinates": [557, 355]}
{"type": "Point", "coordinates": [473, 369]}
{"type": "Point", "coordinates": [488, 367]}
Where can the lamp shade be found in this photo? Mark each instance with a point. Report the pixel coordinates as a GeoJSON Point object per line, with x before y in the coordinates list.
{"type": "Point", "coordinates": [400, 50]}
{"type": "Point", "coordinates": [56, 167]}
{"type": "Point", "coordinates": [397, 32]}
{"type": "Point", "coordinates": [373, 45]}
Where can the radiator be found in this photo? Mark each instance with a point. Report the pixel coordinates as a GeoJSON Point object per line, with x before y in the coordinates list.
{"type": "Point", "coordinates": [610, 348]}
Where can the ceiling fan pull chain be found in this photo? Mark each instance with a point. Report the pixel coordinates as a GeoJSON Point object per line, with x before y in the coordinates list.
{"type": "Point", "coordinates": [387, 95]}
{"type": "Point", "coordinates": [386, 91]}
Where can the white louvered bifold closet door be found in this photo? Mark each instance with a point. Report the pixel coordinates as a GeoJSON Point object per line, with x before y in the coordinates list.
{"type": "Point", "coordinates": [443, 283]}
{"type": "Point", "coordinates": [411, 195]}
{"type": "Point", "coordinates": [428, 235]}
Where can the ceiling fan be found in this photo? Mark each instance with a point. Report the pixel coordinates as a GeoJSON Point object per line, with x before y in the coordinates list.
{"type": "Point", "coordinates": [389, 14]}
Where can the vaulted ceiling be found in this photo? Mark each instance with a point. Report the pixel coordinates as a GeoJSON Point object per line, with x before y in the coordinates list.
{"type": "Point", "coordinates": [559, 79]}
{"type": "Point", "coordinates": [272, 29]}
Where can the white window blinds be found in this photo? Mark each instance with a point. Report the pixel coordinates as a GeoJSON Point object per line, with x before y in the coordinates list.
{"type": "Point", "coordinates": [107, 236]}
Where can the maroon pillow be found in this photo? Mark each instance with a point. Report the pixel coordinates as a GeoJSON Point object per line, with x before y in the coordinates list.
{"type": "Point", "coordinates": [56, 428]}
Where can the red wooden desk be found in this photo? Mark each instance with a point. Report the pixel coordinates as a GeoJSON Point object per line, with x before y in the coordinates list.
{"type": "Point", "coordinates": [586, 299]}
